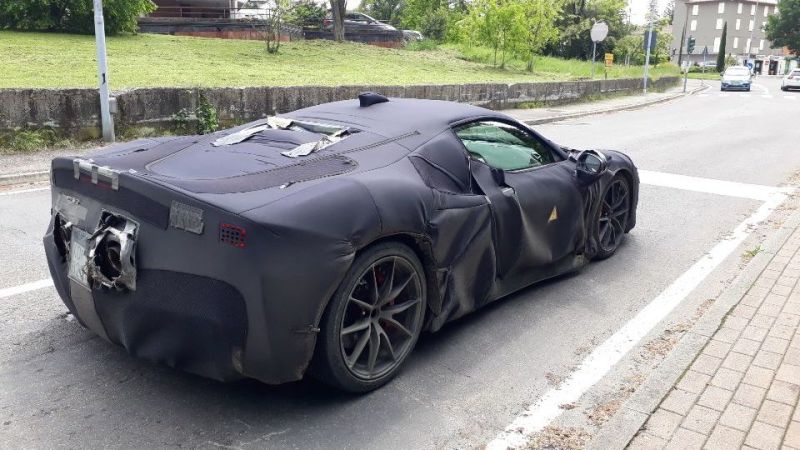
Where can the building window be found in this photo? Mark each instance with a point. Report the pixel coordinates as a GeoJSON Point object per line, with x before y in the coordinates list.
{"type": "Point", "coordinates": [752, 22]}
{"type": "Point", "coordinates": [696, 9]}
{"type": "Point", "coordinates": [748, 48]}
{"type": "Point", "coordinates": [721, 8]}
{"type": "Point", "coordinates": [693, 25]}
{"type": "Point", "coordinates": [752, 10]}
{"type": "Point", "coordinates": [736, 42]}
{"type": "Point", "coordinates": [766, 11]}
{"type": "Point", "coordinates": [739, 8]}
{"type": "Point", "coordinates": [738, 24]}
{"type": "Point", "coordinates": [763, 26]}
{"type": "Point", "coordinates": [716, 44]}
{"type": "Point", "coordinates": [761, 44]}
{"type": "Point", "coordinates": [719, 24]}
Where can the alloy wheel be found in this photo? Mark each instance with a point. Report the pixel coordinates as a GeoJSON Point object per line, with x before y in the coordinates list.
{"type": "Point", "coordinates": [614, 215]}
{"type": "Point", "coordinates": [382, 317]}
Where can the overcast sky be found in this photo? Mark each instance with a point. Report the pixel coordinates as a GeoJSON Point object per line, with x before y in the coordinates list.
{"type": "Point", "coordinates": [638, 9]}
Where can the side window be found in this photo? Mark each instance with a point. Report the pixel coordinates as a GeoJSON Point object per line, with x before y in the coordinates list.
{"type": "Point", "coordinates": [503, 146]}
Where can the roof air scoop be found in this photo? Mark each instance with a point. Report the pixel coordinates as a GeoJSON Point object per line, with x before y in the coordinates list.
{"type": "Point", "coordinates": [370, 98]}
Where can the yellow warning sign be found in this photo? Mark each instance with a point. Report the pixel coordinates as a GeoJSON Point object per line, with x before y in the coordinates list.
{"type": "Point", "coordinates": [553, 215]}
{"type": "Point", "coordinates": [609, 59]}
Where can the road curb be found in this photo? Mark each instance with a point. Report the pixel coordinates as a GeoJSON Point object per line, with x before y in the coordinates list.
{"type": "Point", "coordinates": [26, 177]}
{"type": "Point", "coordinates": [614, 109]}
{"type": "Point", "coordinates": [618, 432]}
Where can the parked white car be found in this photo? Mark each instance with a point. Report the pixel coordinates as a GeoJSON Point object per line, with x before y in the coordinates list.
{"type": "Point", "coordinates": [791, 80]}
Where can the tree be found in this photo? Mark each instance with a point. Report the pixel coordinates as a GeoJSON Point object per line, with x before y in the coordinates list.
{"type": "Point", "coordinates": [273, 24]}
{"type": "Point", "coordinates": [386, 10]}
{"type": "Point", "coordinates": [575, 23]}
{"type": "Point", "coordinates": [721, 52]}
{"type": "Point", "coordinates": [539, 27]}
{"type": "Point", "coordinates": [72, 16]}
{"type": "Point", "coordinates": [783, 29]}
{"type": "Point", "coordinates": [498, 24]}
{"type": "Point", "coordinates": [669, 12]}
{"type": "Point", "coordinates": [338, 10]}
{"type": "Point", "coordinates": [306, 13]}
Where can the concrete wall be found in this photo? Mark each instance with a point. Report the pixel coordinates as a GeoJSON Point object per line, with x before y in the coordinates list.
{"type": "Point", "coordinates": [75, 112]}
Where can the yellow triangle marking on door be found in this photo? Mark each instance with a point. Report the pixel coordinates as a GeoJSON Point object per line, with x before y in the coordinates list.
{"type": "Point", "coordinates": [553, 215]}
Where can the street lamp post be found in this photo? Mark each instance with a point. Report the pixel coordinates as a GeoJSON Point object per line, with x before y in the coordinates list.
{"type": "Point", "coordinates": [651, 16]}
{"type": "Point", "coordinates": [102, 72]}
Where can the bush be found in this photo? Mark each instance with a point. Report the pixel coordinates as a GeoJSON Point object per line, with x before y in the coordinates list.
{"type": "Point", "coordinates": [433, 25]}
{"type": "Point", "coordinates": [306, 13]}
{"type": "Point", "coordinates": [72, 16]}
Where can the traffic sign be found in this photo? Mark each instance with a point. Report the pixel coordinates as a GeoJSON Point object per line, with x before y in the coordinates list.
{"type": "Point", "coordinates": [609, 59]}
{"type": "Point", "coordinates": [599, 31]}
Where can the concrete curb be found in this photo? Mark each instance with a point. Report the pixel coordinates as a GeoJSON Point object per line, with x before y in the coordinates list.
{"type": "Point", "coordinates": [27, 177]}
{"type": "Point", "coordinates": [38, 176]}
{"type": "Point", "coordinates": [618, 432]}
{"type": "Point", "coordinates": [614, 109]}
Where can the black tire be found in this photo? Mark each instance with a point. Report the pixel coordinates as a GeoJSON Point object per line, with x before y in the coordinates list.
{"type": "Point", "coordinates": [611, 222]}
{"type": "Point", "coordinates": [364, 312]}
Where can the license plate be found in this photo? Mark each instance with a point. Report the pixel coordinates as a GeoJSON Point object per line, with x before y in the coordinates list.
{"type": "Point", "coordinates": [78, 256]}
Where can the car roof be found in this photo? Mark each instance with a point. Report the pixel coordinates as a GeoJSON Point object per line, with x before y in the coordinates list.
{"type": "Point", "coordinates": [396, 116]}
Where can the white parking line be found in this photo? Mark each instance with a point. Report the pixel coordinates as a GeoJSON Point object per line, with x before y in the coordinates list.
{"type": "Point", "coordinates": [24, 191]}
{"type": "Point", "coordinates": [28, 287]}
{"type": "Point", "coordinates": [607, 354]}
{"type": "Point", "coordinates": [710, 186]}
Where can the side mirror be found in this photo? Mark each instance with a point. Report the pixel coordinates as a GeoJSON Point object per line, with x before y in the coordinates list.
{"type": "Point", "coordinates": [590, 166]}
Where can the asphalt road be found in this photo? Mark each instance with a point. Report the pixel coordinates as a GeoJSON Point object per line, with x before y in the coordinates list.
{"type": "Point", "coordinates": [60, 386]}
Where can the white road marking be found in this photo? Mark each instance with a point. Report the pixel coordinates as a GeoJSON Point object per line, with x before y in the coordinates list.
{"type": "Point", "coordinates": [607, 354]}
{"type": "Point", "coordinates": [766, 96]}
{"type": "Point", "coordinates": [710, 186]}
{"type": "Point", "coordinates": [788, 97]}
{"type": "Point", "coordinates": [24, 191]}
{"type": "Point", "coordinates": [723, 95]}
{"type": "Point", "coordinates": [762, 87]}
{"type": "Point", "coordinates": [703, 95]}
{"type": "Point", "coordinates": [33, 286]}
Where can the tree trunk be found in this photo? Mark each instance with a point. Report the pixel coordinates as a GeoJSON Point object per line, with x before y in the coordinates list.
{"type": "Point", "coordinates": [338, 8]}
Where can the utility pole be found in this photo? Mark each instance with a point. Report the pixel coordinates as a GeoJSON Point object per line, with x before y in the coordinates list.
{"type": "Point", "coordinates": [102, 72]}
{"type": "Point", "coordinates": [651, 18]}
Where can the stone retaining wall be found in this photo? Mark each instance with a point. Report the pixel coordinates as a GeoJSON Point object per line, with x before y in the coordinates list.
{"type": "Point", "coordinates": [75, 112]}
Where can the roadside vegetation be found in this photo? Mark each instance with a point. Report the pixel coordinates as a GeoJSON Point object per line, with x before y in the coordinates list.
{"type": "Point", "coordinates": [50, 60]}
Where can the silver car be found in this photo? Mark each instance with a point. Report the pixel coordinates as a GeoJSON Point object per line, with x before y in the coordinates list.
{"type": "Point", "coordinates": [791, 80]}
{"type": "Point", "coordinates": [736, 77]}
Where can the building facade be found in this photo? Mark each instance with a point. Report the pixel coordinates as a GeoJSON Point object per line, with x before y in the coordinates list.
{"type": "Point", "coordinates": [746, 41]}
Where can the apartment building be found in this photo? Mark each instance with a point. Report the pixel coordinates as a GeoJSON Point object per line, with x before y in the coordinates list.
{"type": "Point", "coordinates": [746, 40]}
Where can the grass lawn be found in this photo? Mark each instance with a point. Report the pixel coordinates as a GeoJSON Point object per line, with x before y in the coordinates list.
{"type": "Point", "coordinates": [709, 75]}
{"type": "Point", "coordinates": [50, 60]}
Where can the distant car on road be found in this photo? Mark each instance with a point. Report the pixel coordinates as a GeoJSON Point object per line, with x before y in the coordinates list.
{"type": "Point", "coordinates": [326, 239]}
{"type": "Point", "coordinates": [791, 80]}
{"type": "Point", "coordinates": [356, 21]}
{"type": "Point", "coordinates": [736, 77]}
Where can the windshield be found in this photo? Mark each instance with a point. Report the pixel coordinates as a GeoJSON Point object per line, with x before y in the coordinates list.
{"type": "Point", "coordinates": [737, 71]}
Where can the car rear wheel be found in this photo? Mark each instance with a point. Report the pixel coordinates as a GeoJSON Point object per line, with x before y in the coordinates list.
{"type": "Point", "coordinates": [612, 217]}
{"type": "Point", "coordinates": [373, 320]}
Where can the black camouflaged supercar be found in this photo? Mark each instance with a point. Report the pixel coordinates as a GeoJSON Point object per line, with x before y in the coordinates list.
{"type": "Point", "coordinates": [326, 239]}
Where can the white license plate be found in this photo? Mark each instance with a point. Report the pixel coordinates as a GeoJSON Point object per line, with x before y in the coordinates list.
{"type": "Point", "coordinates": [78, 255]}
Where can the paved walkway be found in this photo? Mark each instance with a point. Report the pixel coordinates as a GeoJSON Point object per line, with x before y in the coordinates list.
{"type": "Point", "coordinates": [742, 390]}
{"type": "Point", "coordinates": [549, 114]}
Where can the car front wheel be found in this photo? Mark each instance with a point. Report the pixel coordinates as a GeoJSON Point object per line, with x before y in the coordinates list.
{"type": "Point", "coordinates": [373, 320]}
{"type": "Point", "coordinates": [612, 217]}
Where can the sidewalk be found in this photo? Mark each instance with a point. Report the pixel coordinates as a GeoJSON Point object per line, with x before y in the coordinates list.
{"type": "Point", "coordinates": [742, 390]}
{"type": "Point", "coordinates": [537, 116]}
{"type": "Point", "coordinates": [34, 167]}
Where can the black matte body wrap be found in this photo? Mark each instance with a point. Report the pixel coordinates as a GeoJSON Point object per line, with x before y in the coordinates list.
{"type": "Point", "coordinates": [226, 311]}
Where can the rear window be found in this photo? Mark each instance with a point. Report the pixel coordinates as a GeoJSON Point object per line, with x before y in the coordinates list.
{"type": "Point", "coordinates": [737, 71]}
